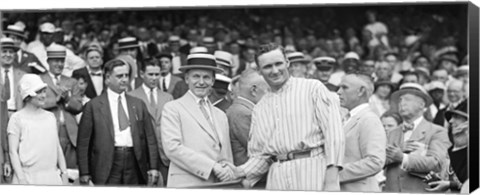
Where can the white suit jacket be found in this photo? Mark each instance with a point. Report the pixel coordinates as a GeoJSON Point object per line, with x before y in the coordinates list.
{"type": "Point", "coordinates": [191, 144]}
{"type": "Point", "coordinates": [365, 152]}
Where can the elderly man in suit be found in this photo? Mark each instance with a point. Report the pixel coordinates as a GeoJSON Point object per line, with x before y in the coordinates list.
{"type": "Point", "coordinates": [251, 88]}
{"type": "Point", "coordinates": [168, 80]}
{"type": "Point", "coordinates": [25, 60]}
{"type": "Point", "coordinates": [365, 135]}
{"type": "Point", "coordinates": [10, 100]}
{"type": "Point", "coordinates": [195, 133]}
{"type": "Point", "coordinates": [63, 100]}
{"type": "Point", "coordinates": [92, 73]}
{"type": "Point", "coordinates": [153, 96]}
{"type": "Point", "coordinates": [417, 146]}
{"type": "Point", "coordinates": [116, 138]}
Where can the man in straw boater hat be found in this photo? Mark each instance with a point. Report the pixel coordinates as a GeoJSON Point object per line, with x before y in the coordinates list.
{"type": "Point", "coordinates": [10, 99]}
{"type": "Point", "coordinates": [24, 60]}
{"type": "Point", "coordinates": [324, 69]}
{"type": "Point", "coordinates": [116, 138]}
{"type": "Point", "coordinates": [417, 146]}
{"type": "Point", "coordinates": [39, 48]}
{"type": "Point", "coordinates": [181, 87]}
{"type": "Point", "coordinates": [195, 134]}
{"type": "Point", "coordinates": [128, 48]}
{"type": "Point", "coordinates": [296, 133]}
{"type": "Point", "coordinates": [63, 99]}
{"type": "Point", "coordinates": [224, 61]}
{"type": "Point", "coordinates": [298, 64]}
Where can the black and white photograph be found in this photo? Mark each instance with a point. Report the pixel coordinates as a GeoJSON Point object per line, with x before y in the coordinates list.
{"type": "Point", "coordinates": [360, 97]}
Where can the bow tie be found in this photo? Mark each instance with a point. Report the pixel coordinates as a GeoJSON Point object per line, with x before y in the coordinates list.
{"type": "Point", "coordinates": [407, 126]}
{"type": "Point", "coordinates": [96, 74]}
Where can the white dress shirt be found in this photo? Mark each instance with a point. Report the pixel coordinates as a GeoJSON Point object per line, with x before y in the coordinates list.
{"type": "Point", "coordinates": [176, 63]}
{"type": "Point", "coordinates": [96, 80]}
{"type": "Point", "coordinates": [148, 91]}
{"type": "Point", "coordinates": [206, 105]}
{"type": "Point", "coordinates": [406, 136]}
{"type": "Point", "coordinates": [356, 110]}
{"type": "Point", "coordinates": [122, 138]}
{"type": "Point", "coordinates": [167, 79]}
{"type": "Point", "coordinates": [11, 102]}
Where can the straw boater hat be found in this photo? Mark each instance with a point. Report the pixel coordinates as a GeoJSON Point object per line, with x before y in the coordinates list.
{"type": "Point", "coordinates": [174, 39]}
{"type": "Point", "coordinates": [461, 110]}
{"type": "Point", "coordinates": [56, 51]}
{"type": "Point", "coordinates": [387, 83]}
{"type": "Point", "coordinates": [8, 43]}
{"type": "Point", "coordinates": [47, 27]}
{"type": "Point", "coordinates": [127, 42]}
{"type": "Point", "coordinates": [164, 55]}
{"type": "Point", "coordinates": [29, 84]}
{"type": "Point", "coordinates": [15, 30]}
{"type": "Point", "coordinates": [297, 57]}
{"type": "Point", "coordinates": [200, 61]}
{"type": "Point", "coordinates": [222, 82]}
{"type": "Point", "coordinates": [198, 50]}
{"type": "Point", "coordinates": [324, 62]}
{"type": "Point", "coordinates": [208, 41]}
{"type": "Point", "coordinates": [435, 85]}
{"type": "Point", "coordinates": [351, 55]}
{"type": "Point", "coordinates": [415, 89]}
{"type": "Point", "coordinates": [223, 58]}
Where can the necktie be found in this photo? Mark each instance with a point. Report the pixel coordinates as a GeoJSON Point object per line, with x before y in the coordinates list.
{"type": "Point", "coordinates": [345, 118]}
{"type": "Point", "coordinates": [164, 85]}
{"type": "Point", "coordinates": [207, 116]}
{"type": "Point", "coordinates": [6, 87]}
{"type": "Point", "coordinates": [152, 99]}
{"type": "Point", "coordinates": [122, 115]}
{"type": "Point", "coordinates": [407, 126]}
{"type": "Point", "coordinates": [57, 80]}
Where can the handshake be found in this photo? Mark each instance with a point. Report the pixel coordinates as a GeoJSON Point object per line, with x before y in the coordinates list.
{"type": "Point", "coordinates": [226, 171]}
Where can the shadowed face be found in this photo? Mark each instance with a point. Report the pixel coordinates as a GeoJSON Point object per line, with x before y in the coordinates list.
{"type": "Point", "coordinates": [56, 65]}
{"type": "Point", "coordinates": [6, 56]}
{"type": "Point", "coordinates": [118, 79]}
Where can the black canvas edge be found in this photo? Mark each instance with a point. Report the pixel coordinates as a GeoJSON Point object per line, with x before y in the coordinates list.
{"type": "Point", "coordinates": [473, 47]}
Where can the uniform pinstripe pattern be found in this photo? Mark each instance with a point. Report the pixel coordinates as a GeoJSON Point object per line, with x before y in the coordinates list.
{"type": "Point", "coordinates": [302, 115]}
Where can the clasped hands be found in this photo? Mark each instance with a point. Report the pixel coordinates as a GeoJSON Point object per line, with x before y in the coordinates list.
{"type": "Point", "coordinates": [226, 171]}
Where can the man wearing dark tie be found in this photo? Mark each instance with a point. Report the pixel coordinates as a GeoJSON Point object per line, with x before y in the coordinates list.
{"type": "Point", "coordinates": [155, 98]}
{"type": "Point", "coordinates": [92, 73]}
{"type": "Point", "coordinates": [167, 80]}
{"type": "Point", "coordinates": [116, 139]}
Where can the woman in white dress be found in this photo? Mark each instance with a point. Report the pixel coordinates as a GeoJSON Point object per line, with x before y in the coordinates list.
{"type": "Point", "coordinates": [35, 151]}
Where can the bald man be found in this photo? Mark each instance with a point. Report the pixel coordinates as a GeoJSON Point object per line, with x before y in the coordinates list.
{"type": "Point", "coordinates": [365, 135]}
{"type": "Point", "coordinates": [251, 88]}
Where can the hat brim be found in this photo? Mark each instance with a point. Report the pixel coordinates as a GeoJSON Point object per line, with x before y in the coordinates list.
{"type": "Point", "coordinates": [224, 64]}
{"type": "Point", "coordinates": [396, 95]}
{"type": "Point", "coordinates": [15, 48]}
{"type": "Point", "coordinates": [128, 47]}
{"type": "Point", "coordinates": [9, 32]}
{"type": "Point", "coordinates": [33, 92]}
{"type": "Point", "coordinates": [300, 60]}
{"type": "Point", "coordinates": [390, 84]}
{"type": "Point", "coordinates": [449, 114]}
{"type": "Point", "coordinates": [188, 67]}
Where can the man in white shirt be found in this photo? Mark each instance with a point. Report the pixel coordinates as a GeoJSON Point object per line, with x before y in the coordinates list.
{"type": "Point", "coordinates": [417, 146]}
{"type": "Point", "coordinates": [92, 73]}
{"type": "Point", "coordinates": [365, 135]}
{"type": "Point", "coordinates": [116, 140]}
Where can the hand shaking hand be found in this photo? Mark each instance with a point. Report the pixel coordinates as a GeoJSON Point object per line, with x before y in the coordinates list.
{"type": "Point", "coordinates": [226, 171]}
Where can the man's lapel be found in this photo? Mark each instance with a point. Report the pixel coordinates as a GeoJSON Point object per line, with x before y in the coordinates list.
{"type": "Point", "coordinates": [50, 83]}
{"type": "Point", "coordinates": [189, 104]}
{"type": "Point", "coordinates": [418, 134]}
{"type": "Point", "coordinates": [104, 109]}
{"type": "Point", "coordinates": [354, 120]}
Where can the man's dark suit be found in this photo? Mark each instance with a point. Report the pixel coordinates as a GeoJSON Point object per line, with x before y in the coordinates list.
{"type": "Point", "coordinates": [239, 118]}
{"type": "Point", "coordinates": [96, 138]}
{"type": "Point", "coordinates": [29, 63]}
{"type": "Point", "coordinates": [90, 91]}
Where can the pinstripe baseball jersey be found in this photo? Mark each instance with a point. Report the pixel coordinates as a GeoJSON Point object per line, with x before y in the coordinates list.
{"type": "Point", "coordinates": [302, 115]}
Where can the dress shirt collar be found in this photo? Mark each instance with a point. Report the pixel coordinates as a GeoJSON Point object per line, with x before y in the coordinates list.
{"type": "Point", "coordinates": [53, 76]}
{"type": "Point", "coordinates": [197, 99]}
{"type": "Point", "coordinates": [416, 122]}
{"type": "Point", "coordinates": [167, 76]}
{"type": "Point", "coordinates": [147, 89]}
{"type": "Point", "coordinates": [357, 109]}
{"type": "Point", "coordinates": [247, 100]}
{"type": "Point", "coordinates": [113, 96]}
{"type": "Point", "coordinates": [96, 72]}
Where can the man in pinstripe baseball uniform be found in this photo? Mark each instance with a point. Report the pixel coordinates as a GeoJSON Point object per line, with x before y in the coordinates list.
{"type": "Point", "coordinates": [296, 132]}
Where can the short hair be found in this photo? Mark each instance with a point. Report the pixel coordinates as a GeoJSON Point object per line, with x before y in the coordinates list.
{"type": "Point", "coordinates": [110, 65]}
{"type": "Point", "coordinates": [150, 62]}
{"type": "Point", "coordinates": [367, 82]}
{"type": "Point", "coordinates": [265, 48]}
{"type": "Point", "coordinates": [91, 49]}
{"type": "Point", "coordinates": [394, 115]}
